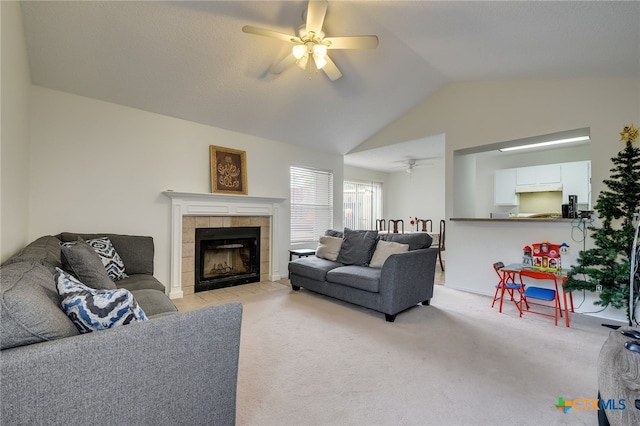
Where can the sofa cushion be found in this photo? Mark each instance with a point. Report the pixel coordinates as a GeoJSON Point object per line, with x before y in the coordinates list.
{"type": "Point", "coordinates": [29, 309]}
{"type": "Point", "coordinates": [82, 261]}
{"type": "Point", "coordinates": [312, 267]}
{"type": "Point", "coordinates": [417, 240]}
{"type": "Point", "coordinates": [108, 255]}
{"type": "Point", "coordinates": [140, 282]}
{"type": "Point", "coordinates": [384, 249]}
{"type": "Point", "coordinates": [153, 302]}
{"type": "Point", "coordinates": [357, 247]}
{"type": "Point", "coordinates": [136, 251]}
{"type": "Point", "coordinates": [92, 310]}
{"type": "Point", "coordinates": [360, 277]}
{"type": "Point", "coordinates": [329, 247]}
{"type": "Point", "coordinates": [45, 250]}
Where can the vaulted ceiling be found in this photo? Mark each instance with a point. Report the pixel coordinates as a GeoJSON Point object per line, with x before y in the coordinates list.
{"type": "Point", "coordinates": [191, 60]}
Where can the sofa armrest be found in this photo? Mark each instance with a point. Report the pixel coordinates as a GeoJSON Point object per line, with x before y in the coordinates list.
{"type": "Point", "coordinates": [178, 369]}
{"type": "Point", "coordinates": [407, 278]}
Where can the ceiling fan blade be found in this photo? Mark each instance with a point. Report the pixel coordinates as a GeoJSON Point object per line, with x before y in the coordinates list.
{"type": "Point", "coordinates": [316, 12]}
{"type": "Point", "coordinates": [268, 33]}
{"type": "Point", "coordinates": [355, 42]}
{"type": "Point", "coordinates": [331, 69]}
{"type": "Point", "coordinates": [277, 68]}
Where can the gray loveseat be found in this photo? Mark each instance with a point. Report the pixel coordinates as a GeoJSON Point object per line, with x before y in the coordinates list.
{"type": "Point", "coordinates": [404, 279]}
{"type": "Point", "coordinates": [174, 369]}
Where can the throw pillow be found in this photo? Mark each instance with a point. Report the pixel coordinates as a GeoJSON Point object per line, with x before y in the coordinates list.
{"type": "Point", "coordinates": [384, 249]}
{"type": "Point", "coordinates": [82, 261]}
{"type": "Point", "coordinates": [29, 307]}
{"type": "Point", "coordinates": [108, 255]}
{"type": "Point", "coordinates": [329, 247]}
{"type": "Point", "coordinates": [357, 247]}
{"type": "Point", "coordinates": [334, 233]}
{"type": "Point", "coordinates": [91, 309]}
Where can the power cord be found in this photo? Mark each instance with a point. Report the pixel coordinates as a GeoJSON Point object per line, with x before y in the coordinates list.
{"type": "Point", "coordinates": [579, 224]}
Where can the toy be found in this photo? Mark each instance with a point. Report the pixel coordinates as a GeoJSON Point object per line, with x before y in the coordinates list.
{"type": "Point", "coordinates": [527, 259]}
{"type": "Point", "coordinates": [546, 257]}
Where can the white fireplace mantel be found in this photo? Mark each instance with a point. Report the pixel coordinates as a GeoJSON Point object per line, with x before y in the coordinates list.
{"type": "Point", "coordinates": [201, 204]}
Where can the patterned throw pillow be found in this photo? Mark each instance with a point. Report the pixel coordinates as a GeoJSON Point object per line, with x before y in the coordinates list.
{"type": "Point", "coordinates": [91, 309]}
{"type": "Point", "coordinates": [108, 255]}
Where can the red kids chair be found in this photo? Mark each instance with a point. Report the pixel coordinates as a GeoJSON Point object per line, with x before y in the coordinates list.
{"type": "Point", "coordinates": [507, 283]}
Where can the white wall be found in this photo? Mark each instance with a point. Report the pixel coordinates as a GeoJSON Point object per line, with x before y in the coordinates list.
{"type": "Point", "coordinates": [14, 135]}
{"type": "Point", "coordinates": [479, 113]}
{"type": "Point", "coordinates": [420, 194]}
{"type": "Point", "coordinates": [101, 167]}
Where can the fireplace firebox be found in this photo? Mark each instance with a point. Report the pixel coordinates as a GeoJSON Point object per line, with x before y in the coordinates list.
{"type": "Point", "coordinates": [226, 257]}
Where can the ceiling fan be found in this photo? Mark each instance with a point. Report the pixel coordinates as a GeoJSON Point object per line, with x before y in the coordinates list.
{"type": "Point", "coordinates": [310, 42]}
{"type": "Point", "coordinates": [409, 165]}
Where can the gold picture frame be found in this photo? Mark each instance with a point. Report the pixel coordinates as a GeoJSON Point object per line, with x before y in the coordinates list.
{"type": "Point", "coordinates": [228, 170]}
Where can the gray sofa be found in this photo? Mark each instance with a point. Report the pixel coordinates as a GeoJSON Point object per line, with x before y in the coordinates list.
{"type": "Point", "coordinates": [174, 369]}
{"type": "Point", "coordinates": [404, 280]}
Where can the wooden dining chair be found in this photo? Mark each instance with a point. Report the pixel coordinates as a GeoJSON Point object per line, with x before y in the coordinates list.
{"type": "Point", "coordinates": [441, 243]}
{"type": "Point", "coordinates": [395, 225]}
{"type": "Point", "coordinates": [381, 225]}
{"type": "Point", "coordinates": [424, 222]}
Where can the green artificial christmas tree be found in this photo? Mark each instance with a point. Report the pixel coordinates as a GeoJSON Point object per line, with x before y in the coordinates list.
{"type": "Point", "coordinates": [608, 263]}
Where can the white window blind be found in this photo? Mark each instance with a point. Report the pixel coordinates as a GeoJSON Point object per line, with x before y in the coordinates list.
{"type": "Point", "coordinates": [311, 203]}
{"type": "Point", "coordinates": [362, 204]}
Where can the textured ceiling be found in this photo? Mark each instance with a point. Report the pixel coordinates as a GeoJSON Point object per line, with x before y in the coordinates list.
{"type": "Point", "coordinates": [191, 60]}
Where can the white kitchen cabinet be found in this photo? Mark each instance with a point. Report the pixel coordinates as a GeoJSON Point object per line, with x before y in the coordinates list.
{"type": "Point", "coordinates": [549, 173]}
{"type": "Point", "coordinates": [505, 188]}
{"type": "Point", "coordinates": [576, 180]}
{"type": "Point", "coordinates": [539, 175]}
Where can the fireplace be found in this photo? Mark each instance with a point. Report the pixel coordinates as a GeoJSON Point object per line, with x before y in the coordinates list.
{"type": "Point", "coordinates": [226, 257]}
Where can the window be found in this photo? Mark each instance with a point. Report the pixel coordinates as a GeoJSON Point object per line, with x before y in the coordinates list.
{"type": "Point", "coordinates": [311, 203]}
{"type": "Point", "coordinates": [362, 204]}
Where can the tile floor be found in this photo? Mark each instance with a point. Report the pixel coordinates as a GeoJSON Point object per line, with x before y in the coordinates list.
{"type": "Point", "coordinates": [241, 292]}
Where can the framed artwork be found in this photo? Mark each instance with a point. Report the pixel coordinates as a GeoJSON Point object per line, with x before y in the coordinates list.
{"type": "Point", "coordinates": [228, 170]}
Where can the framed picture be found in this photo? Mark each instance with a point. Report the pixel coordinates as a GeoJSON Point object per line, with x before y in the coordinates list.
{"type": "Point", "coordinates": [228, 170]}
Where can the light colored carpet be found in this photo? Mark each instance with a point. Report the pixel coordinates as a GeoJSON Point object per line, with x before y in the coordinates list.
{"type": "Point", "coordinates": [306, 359]}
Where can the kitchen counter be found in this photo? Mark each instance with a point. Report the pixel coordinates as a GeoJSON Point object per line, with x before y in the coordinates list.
{"type": "Point", "coordinates": [512, 219]}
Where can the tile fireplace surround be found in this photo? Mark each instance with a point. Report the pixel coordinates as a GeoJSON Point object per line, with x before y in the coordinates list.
{"type": "Point", "coordinates": [196, 210]}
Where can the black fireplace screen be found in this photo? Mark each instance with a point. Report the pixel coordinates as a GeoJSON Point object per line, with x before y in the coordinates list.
{"type": "Point", "coordinates": [226, 257]}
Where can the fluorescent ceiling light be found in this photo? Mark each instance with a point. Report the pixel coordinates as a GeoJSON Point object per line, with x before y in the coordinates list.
{"type": "Point", "coordinates": [539, 144]}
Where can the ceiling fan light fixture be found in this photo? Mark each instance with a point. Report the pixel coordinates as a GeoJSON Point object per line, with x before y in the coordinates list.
{"type": "Point", "coordinates": [320, 61]}
{"type": "Point", "coordinates": [319, 50]}
{"type": "Point", "coordinates": [302, 62]}
{"type": "Point", "coordinates": [299, 50]}
{"type": "Point", "coordinates": [310, 40]}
